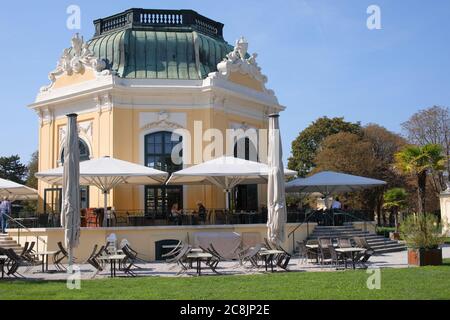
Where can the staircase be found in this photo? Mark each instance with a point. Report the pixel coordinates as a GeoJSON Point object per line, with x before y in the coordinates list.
{"type": "Point", "coordinates": [7, 242]}
{"type": "Point", "coordinates": [379, 243]}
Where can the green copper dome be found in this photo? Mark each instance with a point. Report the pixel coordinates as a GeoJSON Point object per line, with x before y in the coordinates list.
{"type": "Point", "coordinates": [159, 44]}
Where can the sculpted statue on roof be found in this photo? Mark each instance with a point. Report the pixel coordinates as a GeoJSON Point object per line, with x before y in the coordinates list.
{"type": "Point", "coordinates": [75, 60]}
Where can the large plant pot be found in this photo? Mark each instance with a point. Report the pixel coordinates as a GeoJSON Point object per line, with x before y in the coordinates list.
{"type": "Point", "coordinates": [425, 257]}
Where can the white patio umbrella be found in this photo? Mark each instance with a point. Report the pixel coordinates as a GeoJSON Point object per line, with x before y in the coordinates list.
{"type": "Point", "coordinates": [276, 197]}
{"type": "Point", "coordinates": [70, 213]}
{"type": "Point", "coordinates": [16, 191]}
{"type": "Point", "coordinates": [106, 173]}
{"type": "Point", "coordinates": [330, 182]}
{"type": "Point", "coordinates": [224, 172]}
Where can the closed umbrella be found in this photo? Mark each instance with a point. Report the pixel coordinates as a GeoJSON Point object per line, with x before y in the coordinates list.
{"type": "Point", "coordinates": [224, 172]}
{"type": "Point", "coordinates": [106, 173]}
{"type": "Point", "coordinates": [16, 191]}
{"type": "Point", "coordinates": [276, 198]}
{"type": "Point", "coordinates": [70, 214]}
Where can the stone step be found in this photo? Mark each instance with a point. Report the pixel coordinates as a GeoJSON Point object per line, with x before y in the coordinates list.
{"type": "Point", "coordinates": [379, 243]}
{"type": "Point", "coordinates": [7, 242]}
{"type": "Point", "coordinates": [333, 228]}
{"type": "Point", "coordinates": [389, 250]}
{"type": "Point", "coordinates": [339, 235]}
{"type": "Point", "coordinates": [387, 245]}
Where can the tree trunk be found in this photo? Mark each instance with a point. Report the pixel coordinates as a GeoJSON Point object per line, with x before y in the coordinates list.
{"type": "Point", "coordinates": [421, 189]}
{"type": "Point", "coordinates": [395, 212]}
{"type": "Point", "coordinates": [378, 217]}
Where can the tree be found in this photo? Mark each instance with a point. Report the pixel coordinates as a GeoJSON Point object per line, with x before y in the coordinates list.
{"type": "Point", "coordinates": [370, 154]}
{"type": "Point", "coordinates": [308, 143]}
{"type": "Point", "coordinates": [395, 199]}
{"type": "Point", "coordinates": [346, 152]}
{"type": "Point", "coordinates": [385, 144]}
{"type": "Point", "coordinates": [431, 126]}
{"type": "Point", "coordinates": [12, 169]}
{"type": "Point", "coordinates": [33, 167]}
{"type": "Point", "coordinates": [418, 161]}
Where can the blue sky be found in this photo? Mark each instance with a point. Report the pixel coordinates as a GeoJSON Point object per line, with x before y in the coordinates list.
{"type": "Point", "coordinates": [318, 54]}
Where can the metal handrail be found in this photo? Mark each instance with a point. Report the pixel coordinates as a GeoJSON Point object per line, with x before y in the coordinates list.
{"type": "Point", "coordinates": [27, 229]}
{"type": "Point", "coordinates": [355, 218]}
{"type": "Point", "coordinates": [299, 225]}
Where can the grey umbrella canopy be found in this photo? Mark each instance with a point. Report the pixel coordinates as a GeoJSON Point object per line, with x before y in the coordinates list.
{"type": "Point", "coordinates": [330, 182]}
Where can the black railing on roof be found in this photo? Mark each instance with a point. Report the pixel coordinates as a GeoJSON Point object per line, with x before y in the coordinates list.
{"type": "Point", "coordinates": [151, 19]}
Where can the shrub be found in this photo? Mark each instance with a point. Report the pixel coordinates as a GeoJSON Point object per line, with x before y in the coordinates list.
{"type": "Point", "coordinates": [422, 231]}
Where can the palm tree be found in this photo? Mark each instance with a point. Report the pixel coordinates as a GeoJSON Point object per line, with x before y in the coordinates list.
{"type": "Point", "coordinates": [394, 200]}
{"type": "Point", "coordinates": [418, 161]}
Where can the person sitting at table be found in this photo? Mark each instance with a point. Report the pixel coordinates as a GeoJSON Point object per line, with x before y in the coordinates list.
{"type": "Point", "coordinates": [201, 212]}
{"type": "Point", "coordinates": [176, 214]}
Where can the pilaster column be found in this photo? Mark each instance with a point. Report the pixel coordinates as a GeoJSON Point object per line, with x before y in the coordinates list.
{"type": "Point", "coordinates": [445, 211]}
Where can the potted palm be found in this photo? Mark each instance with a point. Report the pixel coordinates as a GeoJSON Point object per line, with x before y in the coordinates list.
{"type": "Point", "coordinates": [423, 236]}
{"type": "Point", "coordinates": [395, 200]}
{"type": "Point", "coordinates": [418, 161]}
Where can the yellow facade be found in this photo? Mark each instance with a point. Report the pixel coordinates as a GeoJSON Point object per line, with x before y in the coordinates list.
{"type": "Point", "coordinates": [117, 132]}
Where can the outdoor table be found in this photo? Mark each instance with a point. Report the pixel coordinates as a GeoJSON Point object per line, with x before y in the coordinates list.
{"type": "Point", "coordinates": [44, 255]}
{"type": "Point", "coordinates": [112, 260]}
{"type": "Point", "coordinates": [268, 256]}
{"type": "Point", "coordinates": [2, 264]}
{"type": "Point", "coordinates": [173, 246]}
{"type": "Point", "coordinates": [352, 251]}
{"type": "Point", "coordinates": [198, 256]}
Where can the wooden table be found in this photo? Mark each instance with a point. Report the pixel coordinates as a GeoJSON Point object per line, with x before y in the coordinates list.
{"type": "Point", "coordinates": [352, 251]}
{"type": "Point", "coordinates": [2, 264]}
{"type": "Point", "coordinates": [44, 255]}
{"type": "Point", "coordinates": [112, 260]}
{"type": "Point", "coordinates": [198, 256]}
{"type": "Point", "coordinates": [268, 256]}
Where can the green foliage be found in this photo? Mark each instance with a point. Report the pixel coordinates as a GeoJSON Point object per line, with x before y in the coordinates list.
{"type": "Point", "coordinates": [33, 167]}
{"type": "Point", "coordinates": [416, 159]}
{"type": "Point", "coordinates": [422, 231]}
{"type": "Point", "coordinates": [12, 169]}
{"type": "Point", "coordinates": [395, 198]}
{"type": "Point", "coordinates": [307, 144]}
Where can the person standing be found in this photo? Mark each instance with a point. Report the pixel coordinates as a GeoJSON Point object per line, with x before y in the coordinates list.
{"type": "Point", "coordinates": [201, 212]}
{"type": "Point", "coordinates": [5, 209]}
{"type": "Point", "coordinates": [176, 214]}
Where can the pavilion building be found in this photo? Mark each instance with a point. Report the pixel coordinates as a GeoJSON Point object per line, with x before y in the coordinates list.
{"type": "Point", "coordinates": [143, 75]}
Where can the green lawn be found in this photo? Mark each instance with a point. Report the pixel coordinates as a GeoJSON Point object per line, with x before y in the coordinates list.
{"type": "Point", "coordinates": [410, 283]}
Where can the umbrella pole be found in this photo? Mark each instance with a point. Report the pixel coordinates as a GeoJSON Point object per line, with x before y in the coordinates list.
{"type": "Point", "coordinates": [105, 208]}
{"type": "Point", "coordinates": [227, 199]}
{"type": "Point", "coordinates": [70, 257]}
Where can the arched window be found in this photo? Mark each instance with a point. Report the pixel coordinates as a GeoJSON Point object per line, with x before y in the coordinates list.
{"type": "Point", "coordinates": [84, 151]}
{"type": "Point", "coordinates": [245, 196]}
{"type": "Point", "coordinates": [158, 155]}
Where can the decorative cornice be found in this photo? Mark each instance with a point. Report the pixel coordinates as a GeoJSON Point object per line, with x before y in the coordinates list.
{"type": "Point", "coordinates": [161, 124]}
{"type": "Point", "coordinates": [75, 60]}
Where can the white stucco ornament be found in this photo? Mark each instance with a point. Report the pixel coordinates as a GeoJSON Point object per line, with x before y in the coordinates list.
{"type": "Point", "coordinates": [76, 60]}
{"type": "Point", "coordinates": [237, 61]}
